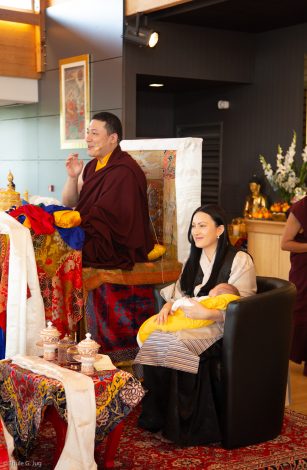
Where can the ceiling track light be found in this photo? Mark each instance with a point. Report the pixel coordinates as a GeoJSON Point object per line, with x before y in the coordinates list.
{"type": "Point", "coordinates": [140, 35]}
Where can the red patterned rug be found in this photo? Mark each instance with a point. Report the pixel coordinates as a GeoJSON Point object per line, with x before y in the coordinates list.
{"type": "Point", "coordinates": [4, 458]}
{"type": "Point", "coordinates": [139, 450]}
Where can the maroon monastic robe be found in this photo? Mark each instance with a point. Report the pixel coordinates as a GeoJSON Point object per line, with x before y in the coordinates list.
{"type": "Point", "coordinates": [298, 275]}
{"type": "Point", "coordinates": [114, 212]}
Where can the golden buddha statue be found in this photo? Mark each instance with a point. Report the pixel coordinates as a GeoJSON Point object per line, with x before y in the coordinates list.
{"type": "Point", "coordinates": [255, 200]}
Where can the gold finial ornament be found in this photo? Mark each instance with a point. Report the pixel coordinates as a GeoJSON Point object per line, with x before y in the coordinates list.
{"type": "Point", "coordinates": [10, 178]}
{"type": "Point", "coordinates": [9, 197]}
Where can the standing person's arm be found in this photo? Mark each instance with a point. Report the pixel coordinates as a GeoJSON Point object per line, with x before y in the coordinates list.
{"type": "Point", "coordinates": [292, 228]}
{"type": "Point", "coordinates": [73, 184]}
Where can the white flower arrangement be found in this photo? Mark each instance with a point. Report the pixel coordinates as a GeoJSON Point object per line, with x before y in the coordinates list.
{"type": "Point", "coordinates": [288, 180]}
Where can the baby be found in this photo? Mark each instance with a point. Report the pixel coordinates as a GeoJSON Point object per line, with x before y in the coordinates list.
{"type": "Point", "coordinates": [218, 298]}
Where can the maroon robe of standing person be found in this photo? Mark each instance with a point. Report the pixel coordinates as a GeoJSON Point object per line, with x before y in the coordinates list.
{"type": "Point", "coordinates": [298, 275]}
{"type": "Point", "coordinates": [114, 212]}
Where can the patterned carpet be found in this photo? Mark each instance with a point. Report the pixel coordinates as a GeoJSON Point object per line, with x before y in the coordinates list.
{"type": "Point", "coordinates": [4, 458]}
{"type": "Point", "coordinates": [139, 450]}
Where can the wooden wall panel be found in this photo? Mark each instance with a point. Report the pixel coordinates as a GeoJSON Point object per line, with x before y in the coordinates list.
{"type": "Point", "coordinates": [134, 6]}
{"type": "Point", "coordinates": [146, 6]}
{"type": "Point", "coordinates": [17, 50]}
{"type": "Point", "coordinates": [51, 3]}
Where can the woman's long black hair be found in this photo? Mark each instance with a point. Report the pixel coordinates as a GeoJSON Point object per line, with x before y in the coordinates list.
{"type": "Point", "coordinates": [191, 269]}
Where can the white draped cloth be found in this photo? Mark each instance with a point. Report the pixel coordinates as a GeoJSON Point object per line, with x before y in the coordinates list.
{"type": "Point", "coordinates": [25, 317]}
{"type": "Point", "coordinates": [78, 452]}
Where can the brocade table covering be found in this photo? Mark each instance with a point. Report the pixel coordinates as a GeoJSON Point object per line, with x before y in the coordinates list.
{"type": "Point", "coordinates": [24, 395]}
{"type": "Point", "coordinates": [59, 269]}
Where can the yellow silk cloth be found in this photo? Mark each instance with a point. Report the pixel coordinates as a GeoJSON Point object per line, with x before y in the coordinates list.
{"type": "Point", "coordinates": [158, 272]}
{"type": "Point", "coordinates": [67, 218]}
{"type": "Point", "coordinates": [63, 219]}
{"type": "Point", "coordinates": [103, 162]}
{"type": "Point", "coordinates": [157, 251]}
{"type": "Point", "coordinates": [178, 320]}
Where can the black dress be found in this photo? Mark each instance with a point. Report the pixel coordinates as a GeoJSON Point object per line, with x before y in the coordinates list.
{"type": "Point", "coordinates": [186, 406]}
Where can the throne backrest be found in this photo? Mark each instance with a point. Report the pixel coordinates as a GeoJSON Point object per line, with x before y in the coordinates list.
{"type": "Point", "coordinates": [173, 171]}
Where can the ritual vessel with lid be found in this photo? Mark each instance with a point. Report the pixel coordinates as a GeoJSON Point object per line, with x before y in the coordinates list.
{"type": "Point", "coordinates": [87, 349]}
{"type": "Point", "coordinates": [50, 337]}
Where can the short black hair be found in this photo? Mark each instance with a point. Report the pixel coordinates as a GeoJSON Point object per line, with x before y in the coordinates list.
{"type": "Point", "coordinates": [113, 124]}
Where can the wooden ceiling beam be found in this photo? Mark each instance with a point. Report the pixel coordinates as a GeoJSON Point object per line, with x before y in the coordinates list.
{"type": "Point", "coordinates": [132, 7]}
{"type": "Point", "coordinates": [26, 17]}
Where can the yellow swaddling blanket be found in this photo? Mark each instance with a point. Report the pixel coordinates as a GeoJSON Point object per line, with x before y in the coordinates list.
{"type": "Point", "coordinates": [178, 321]}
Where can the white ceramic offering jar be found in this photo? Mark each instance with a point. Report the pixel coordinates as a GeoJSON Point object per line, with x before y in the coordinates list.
{"type": "Point", "coordinates": [50, 337]}
{"type": "Point", "coordinates": [87, 349]}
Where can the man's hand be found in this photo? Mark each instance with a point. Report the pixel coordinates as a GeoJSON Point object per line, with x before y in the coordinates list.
{"type": "Point", "coordinates": [73, 165]}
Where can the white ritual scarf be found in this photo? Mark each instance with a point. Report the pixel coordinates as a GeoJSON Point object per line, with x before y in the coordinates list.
{"type": "Point", "coordinates": [78, 452]}
{"type": "Point", "coordinates": [25, 318]}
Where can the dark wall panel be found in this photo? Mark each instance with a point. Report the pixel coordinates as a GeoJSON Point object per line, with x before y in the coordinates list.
{"type": "Point", "coordinates": [160, 108]}
{"type": "Point", "coordinates": [189, 52]}
{"type": "Point", "coordinates": [263, 113]}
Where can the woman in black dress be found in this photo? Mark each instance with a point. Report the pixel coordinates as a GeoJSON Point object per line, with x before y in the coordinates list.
{"type": "Point", "coordinates": [183, 406]}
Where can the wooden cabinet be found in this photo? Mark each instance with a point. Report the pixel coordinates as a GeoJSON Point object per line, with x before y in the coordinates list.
{"type": "Point", "coordinates": [264, 239]}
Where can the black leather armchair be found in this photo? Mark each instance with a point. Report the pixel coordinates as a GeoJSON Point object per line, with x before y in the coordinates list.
{"type": "Point", "coordinates": [254, 368]}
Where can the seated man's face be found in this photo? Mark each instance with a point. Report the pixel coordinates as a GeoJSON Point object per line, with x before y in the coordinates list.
{"type": "Point", "coordinates": [99, 142]}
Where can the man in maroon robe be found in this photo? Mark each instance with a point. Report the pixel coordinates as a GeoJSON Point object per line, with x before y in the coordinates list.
{"type": "Point", "coordinates": [111, 195]}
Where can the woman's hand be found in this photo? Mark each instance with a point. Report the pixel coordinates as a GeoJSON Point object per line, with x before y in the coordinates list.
{"type": "Point", "coordinates": [197, 311]}
{"type": "Point", "coordinates": [165, 311]}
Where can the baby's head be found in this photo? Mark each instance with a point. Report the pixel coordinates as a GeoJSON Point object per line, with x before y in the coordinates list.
{"type": "Point", "coordinates": [223, 288]}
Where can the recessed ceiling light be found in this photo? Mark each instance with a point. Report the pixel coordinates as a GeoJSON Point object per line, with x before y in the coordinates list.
{"type": "Point", "coordinates": [156, 85]}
